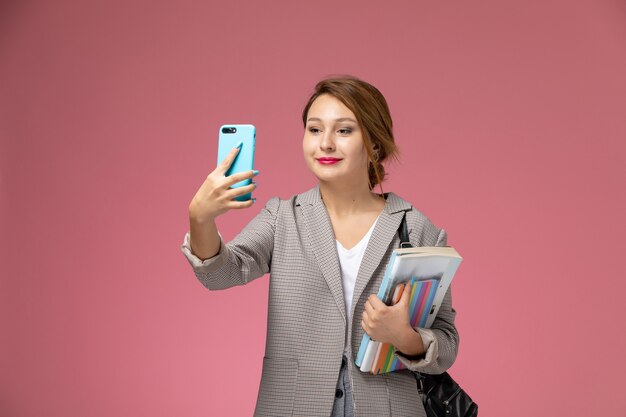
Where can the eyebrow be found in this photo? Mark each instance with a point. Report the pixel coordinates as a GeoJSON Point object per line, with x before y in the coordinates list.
{"type": "Point", "coordinates": [342, 119]}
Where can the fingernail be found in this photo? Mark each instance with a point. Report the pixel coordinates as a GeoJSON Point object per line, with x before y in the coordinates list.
{"type": "Point", "coordinates": [255, 172]}
{"type": "Point", "coordinates": [240, 144]}
{"type": "Point", "coordinates": [253, 200]}
{"type": "Point", "coordinates": [255, 184]}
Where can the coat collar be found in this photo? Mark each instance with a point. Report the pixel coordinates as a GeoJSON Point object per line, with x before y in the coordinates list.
{"type": "Point", "coordinates": [393, 203]}
{"type": "Point", "coordinates": [322, 238]}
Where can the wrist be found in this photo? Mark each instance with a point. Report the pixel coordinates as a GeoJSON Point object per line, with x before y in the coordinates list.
{"type": "Point", "coordinates": [201, 221]}
{"type": "Point", "coordinates": [198, 218]}
{"type": "Point", "coordinates": [411, 343]}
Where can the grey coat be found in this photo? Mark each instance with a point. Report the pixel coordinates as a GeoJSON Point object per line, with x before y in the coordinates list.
{"type": "Point", "coordinates": [293, 240]}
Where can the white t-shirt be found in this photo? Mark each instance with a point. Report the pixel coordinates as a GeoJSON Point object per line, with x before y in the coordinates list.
{"type": "Point", "coordinates": [350, 261]}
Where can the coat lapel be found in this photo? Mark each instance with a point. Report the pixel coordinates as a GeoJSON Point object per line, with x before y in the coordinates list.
{"type": "Point", "coordinates": [382, 236]}
{"type": "Point", "coordinates": [322, 240]}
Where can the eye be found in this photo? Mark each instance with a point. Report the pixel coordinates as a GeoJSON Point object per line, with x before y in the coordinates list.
{"type": "Point", "coordinates": [345, 131]}
{"type": "Point", "coordinates": [314, 130]}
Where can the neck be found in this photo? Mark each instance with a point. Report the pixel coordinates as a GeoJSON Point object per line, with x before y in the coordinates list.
{"type": "Point", "coordinates": [348, 199]}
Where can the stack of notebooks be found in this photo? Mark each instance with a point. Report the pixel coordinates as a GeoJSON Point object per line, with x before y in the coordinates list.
{"type": "Point", "coordinates": [429, 270]}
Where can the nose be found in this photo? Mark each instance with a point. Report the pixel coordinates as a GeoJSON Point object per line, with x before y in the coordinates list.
{"type": "Point", "coordinates": [327, 142]}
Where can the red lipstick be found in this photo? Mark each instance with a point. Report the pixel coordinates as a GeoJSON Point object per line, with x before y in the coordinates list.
{"type": "Point", "coordinates": [328, 160]}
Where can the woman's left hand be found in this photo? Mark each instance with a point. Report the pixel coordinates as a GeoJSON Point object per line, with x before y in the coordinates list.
{"type": "Point", "coordinates": [387, 324]}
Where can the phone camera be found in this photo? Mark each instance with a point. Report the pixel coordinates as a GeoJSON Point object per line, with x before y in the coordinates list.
{"type": "Point", "coordinates": [229, 130]}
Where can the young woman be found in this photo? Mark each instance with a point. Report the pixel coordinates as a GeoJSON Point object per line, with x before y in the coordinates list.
{"type": "Point", "coordinates": [326, 251]}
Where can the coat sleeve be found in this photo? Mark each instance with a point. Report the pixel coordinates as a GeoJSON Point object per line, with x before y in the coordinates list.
{"type": "Point", "coordinates": [442, 339]}
{"type": "Point", "coordinates": [247, 257]}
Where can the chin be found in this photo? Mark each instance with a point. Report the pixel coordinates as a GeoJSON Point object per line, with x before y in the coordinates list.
{"type": "Point", "coordinates": [322, 177]}
{"type": "Point", "coordinates": [333, 179]}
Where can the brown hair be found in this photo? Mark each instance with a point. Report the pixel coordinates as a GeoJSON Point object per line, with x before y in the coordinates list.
{"type": "Point", "coordinates": [372, 113]}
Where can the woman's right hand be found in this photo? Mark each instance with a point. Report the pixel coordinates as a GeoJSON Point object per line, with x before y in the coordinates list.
{"type": "Point", "coordinates": [215, 197]}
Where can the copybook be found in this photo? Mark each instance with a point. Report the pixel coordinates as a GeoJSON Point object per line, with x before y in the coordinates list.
{"type": "Point", "coordinates": [430, 271]}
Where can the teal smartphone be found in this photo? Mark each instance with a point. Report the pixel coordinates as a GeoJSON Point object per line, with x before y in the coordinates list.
{"type": "Point", "coordinates": [230, 136]}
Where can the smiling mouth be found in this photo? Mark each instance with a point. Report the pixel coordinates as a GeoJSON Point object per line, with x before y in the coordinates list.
{"type": "Point", "coordinates": [328, 161]}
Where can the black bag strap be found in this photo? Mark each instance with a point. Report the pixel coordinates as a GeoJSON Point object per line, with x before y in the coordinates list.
{"type": "Point", "coordinates": [441, 395]}
{"type": "Point", "coordinates": [404, 233]}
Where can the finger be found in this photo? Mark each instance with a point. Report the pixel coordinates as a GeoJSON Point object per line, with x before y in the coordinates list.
{"type": "Point", "coordinates": [376, 303]}
{"type": "Point", "coordinates": [240, 176]}
{"type": "Point", "coordinates": [364, 326]}
{"type": "Point", "coordinates": [228, 161]}
{"type": "Point", "coordinates": [238, 191]}
{"type": "Point", "coordinates": [367, 330]}
{"type": "Point", "coordinates": [240, 204]}
{"type": "Point", "coordinates": [406, 294]}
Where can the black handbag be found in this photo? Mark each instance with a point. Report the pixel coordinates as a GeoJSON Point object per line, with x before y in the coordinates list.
{"type": "Point", "coordinates": [441, 395]}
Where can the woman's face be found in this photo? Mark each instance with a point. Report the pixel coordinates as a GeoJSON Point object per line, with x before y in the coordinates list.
{"type": "Point", "coordinates": [333, 142]}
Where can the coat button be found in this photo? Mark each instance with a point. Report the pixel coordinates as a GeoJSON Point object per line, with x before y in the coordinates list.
{"type": "Point", "coordinates": [338, 393]}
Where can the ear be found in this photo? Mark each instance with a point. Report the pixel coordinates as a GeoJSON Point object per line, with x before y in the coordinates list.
{"type": "Point", "coordinates": [376, 152]}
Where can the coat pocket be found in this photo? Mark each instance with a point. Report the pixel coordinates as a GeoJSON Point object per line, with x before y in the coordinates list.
{"type": "Point", "coordinates": [278, 387]}
{"type": "Point", "coordinates": [404, 397]}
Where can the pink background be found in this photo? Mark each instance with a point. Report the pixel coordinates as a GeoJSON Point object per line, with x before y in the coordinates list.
{"type": "Point", "coordinates": [511, 121]}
